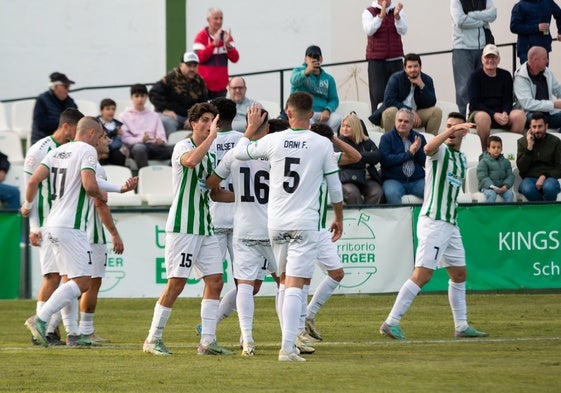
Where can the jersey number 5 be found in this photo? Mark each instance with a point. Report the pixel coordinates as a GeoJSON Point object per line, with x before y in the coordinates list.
{"type": "Point", "coordinates": [290, 173]}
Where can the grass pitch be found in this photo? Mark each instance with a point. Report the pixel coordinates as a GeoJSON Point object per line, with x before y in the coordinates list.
{"type": "Point", "coordinates": [522, 354]}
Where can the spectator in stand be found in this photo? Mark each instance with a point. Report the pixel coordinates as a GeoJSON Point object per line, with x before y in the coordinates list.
{"type": "Point", "coordinates": [383, 24]}
{"type": "Point", "coordinates": [117, 151]}
{"type": "Point", "coordinates": [536, 89]}
{"type": "Point", "coordinates": [414, 90]}
{"type": "Point", "coordinates": [403, 159]}
{"type": "Point", "coordinates": [143, 131]}
{"type": "Point", "coordinates": [530, 19]}
{"type": "Point", "coordinates": [236, 91]}
{"type": "Point", "coordinates": [50, 105]}
{"type": "Point", "coordinates": [312, 79]}
{"type": "Point", "coordinates": [539, 161]}
{"type": "Point", "coordinates": [494, 172]}
{"type": "Point", "coordinates": [8, 194]}
{"type": "Point", "coordinates": [215, 47]}
{"type": "Point", "coordinates": [470, 18]}
{"type": "Point", "coordinates": [361, 181]}
{"type": "Point", "coordinates": [174, 94]}
{"type": "Point", "coordinates": [490, 98]}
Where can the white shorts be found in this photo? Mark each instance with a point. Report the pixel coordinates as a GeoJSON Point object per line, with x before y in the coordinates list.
{"type": "Point", "coordinates": [254, 260]}
{"type": "Point", "coordinates": [295, 251]}
{"type": "Point", "coordinates": [328, 257]}
{"type": "Point", "coordinates": [72, 251]}
{"type": "Point", "coordinates": [47, 258]}
{"type": "Point", "coordinates": [225, 242]}
{"type": "Point", "coordinates": [184, 252]}
{"type": "Point", "coordinates": [99, 259]}
{"type": "Point", "coordinates": [437, 239]}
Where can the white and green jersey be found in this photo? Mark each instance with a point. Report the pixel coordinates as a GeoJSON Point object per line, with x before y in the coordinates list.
{"type": "Point", "coordinates": [96, 234]}
{"type": "Point", "coordinates": [444, 174]}
{"type": "Point", "coordinates": [299, 160]}
{"type": "Point", "coordinates": [42, 201]}
{"type": "Point", "coordinates": [189, 212]}
{"type": "Point", "coordinates": [324, 196]}
{"type": "Point", "coordinates": [223, 213]}
{"type": "Point", "coordinates": [250, 182]}
{"type": "Point", "coordinates": [70, 203]}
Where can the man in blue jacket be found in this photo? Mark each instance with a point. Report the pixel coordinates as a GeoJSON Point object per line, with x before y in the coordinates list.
{"type": "Point", "coordinates": [414, 90]}
{"type": "Point", "coordinates": [403, 159]}
{"type": "Point", "coordinates": [530, 20]}
{"type": "Point", "coordinates": [50, 105]}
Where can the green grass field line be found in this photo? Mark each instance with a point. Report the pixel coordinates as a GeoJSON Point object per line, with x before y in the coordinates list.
{"type": "Point", "coordinates": [522, 354]}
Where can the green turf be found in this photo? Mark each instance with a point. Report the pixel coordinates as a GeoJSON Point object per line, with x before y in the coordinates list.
{"type": "Point", "coordinates": [522, 354]}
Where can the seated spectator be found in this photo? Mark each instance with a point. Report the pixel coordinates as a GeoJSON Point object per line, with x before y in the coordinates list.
{"type": "Point", "coordinates": [236, 91]}
{"type": "Point", "coordinates": [361, 181]}
{"type": "Point", "coordinates": [117, 151]}
{"type": "Point", "coordinates": [179, 90]}
{"type": "Point", "coordinates": [403, 159]}
{"type": "Point", "coordinates": [539, 161]}
{"type": "Point", "coordinates": [312, 79]}
{"type": "Point", "coordinates": [9, 195]}
{"type": "Point", "coordinates": [536, 89]}
{"type": "Point", "coordinates": [143, 131]}
{"type": "Point", "coordinates": [50, 105]}
{"type": "Point", "coordinates": [411, 89]}
{"type": "Point", "coordinates": [494, 172]}
{"type": "Point", "coordinates": [490, 98]}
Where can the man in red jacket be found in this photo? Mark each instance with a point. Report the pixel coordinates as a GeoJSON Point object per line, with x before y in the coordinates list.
{"type": "Point", "coordinates": [215, 47]}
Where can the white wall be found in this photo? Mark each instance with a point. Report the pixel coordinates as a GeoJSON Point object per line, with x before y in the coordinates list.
{"type": "Point", "coordinates": [106, 42]}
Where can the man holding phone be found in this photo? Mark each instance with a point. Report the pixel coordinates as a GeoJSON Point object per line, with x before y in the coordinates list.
{"type": "Point", "coordinates": [539, 161]}
{"type": "Point", "coordinates": [312, 79]}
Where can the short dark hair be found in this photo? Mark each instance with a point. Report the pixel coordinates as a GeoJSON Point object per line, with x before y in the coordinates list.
{"type": "Point", "coordinates": [70, 116]}
{"type": "Point", "coordinates": [197, 110]}
{"type": "Point", "coordinates": [322, 129]}
{"type": "Point", "coordinates": [456, 115]}
{"type": "Point", "coordinates": [494, 138]}
{"type": "Point", "coordinates": [278, 125]}
{"type": "Point", "coordinates": [107, 102]}
{"type": "Point", "coordinates": [301, 102]}
{"type": "Point", "coordinates": [226, 109]}
{"type": "Point", "coordinates": [139, 89]}
{"type": "Point", "coordinates": [411, 57]}
{"type": "Point", "coordinates": [538, 116]}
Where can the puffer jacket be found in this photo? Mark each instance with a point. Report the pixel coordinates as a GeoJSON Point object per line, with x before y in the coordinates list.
{"type": "Point", "coordinates": [494, 171]}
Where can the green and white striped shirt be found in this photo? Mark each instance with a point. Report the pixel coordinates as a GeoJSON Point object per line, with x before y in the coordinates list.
{"type": "Point", "coordinates": [444, 175]}
{"type": "Point", "coordinates": [189, 212]}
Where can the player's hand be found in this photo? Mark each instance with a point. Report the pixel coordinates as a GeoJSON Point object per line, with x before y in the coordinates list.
{"type": "Point", "coordinates": [336, 230]}
{"type": "Point", "coordinates": [35, 238]}
{"type": "Point", "coordinates": [214, 128]}
{"type": "Point", "coordinates": [130, 184]}
{"type": "Point", "coordinates": [118, 246]}
{"type": "Point", "coordinates": [25, 212]}
{"type": "Point", "coordinates": [254, 120]}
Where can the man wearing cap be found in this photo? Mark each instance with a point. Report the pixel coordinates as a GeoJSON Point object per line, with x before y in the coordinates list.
{"type": "Point", "coordinates": [174, 94]}
{"type": "Point", "coordinates": [312, 79]}
{"type": "Point", "coordinates": [50, 105]}
{"type": "Point", "coordinates": [490, 98]}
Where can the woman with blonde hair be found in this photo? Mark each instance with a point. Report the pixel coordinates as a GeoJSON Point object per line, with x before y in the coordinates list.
{"type": "Point", "coordinates": [362, 183]}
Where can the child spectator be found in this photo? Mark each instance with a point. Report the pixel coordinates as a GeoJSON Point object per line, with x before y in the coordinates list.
{"type": "Point", "coordinates": [494, 172]}
{"type": "Point", "coordinates": [117, 151]}
{"type": "Point", "coordinates": [143, 131]}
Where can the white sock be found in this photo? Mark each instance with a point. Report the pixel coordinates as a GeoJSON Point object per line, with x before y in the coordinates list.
{"type": "Point", "coordinates": [302, 319]}
{"type": "Point", "coordinates": [38, 306]}
{"type": "Point", "coordinates": [457, 300]}
{"type": "Point", "coordinates": [280, 302]}
{"type": "Point", "coordinates": [60, 297]}
{"type": "Point", "coordinates": [246, 306]}
{"type": "Point", "coordinates": [409, 290]}
{"type": "Point", "coordinates": [70, 317]}
{"type": "Point", "coordinates": [227, 304]}
{"type": "Point", "coordinates": [322, 294]}
{"type": "Point", "coordinates": [86, 323]}
{"type": "Point", "coordinates": [291, 310]}
{"type": "Point", "coordinates": [55, 320]}
{"type": "Point", "coordinates": [209, 319]}
{"type": "Point", "coordinates": [159, 321]}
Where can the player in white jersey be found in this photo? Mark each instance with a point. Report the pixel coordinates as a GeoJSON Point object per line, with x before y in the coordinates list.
{"type": "Point", "coordinates": [190, 243]}
{"type": "Point", "coordinates": [71, 172]}
{"type": "Point", "coordinates": [437, 232]}
{"type": "Point", "coordinates": [41, 206]}
{"type": "Point", "coordinates": [299, 160]}
{"type": "Point", "coordinates": [99, 216]}
{"type": "Point", "coordinates": [223, 213]}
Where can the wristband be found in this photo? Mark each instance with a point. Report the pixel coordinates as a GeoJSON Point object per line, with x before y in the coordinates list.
{"type": "Point", "coordinates": [27, 205]}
